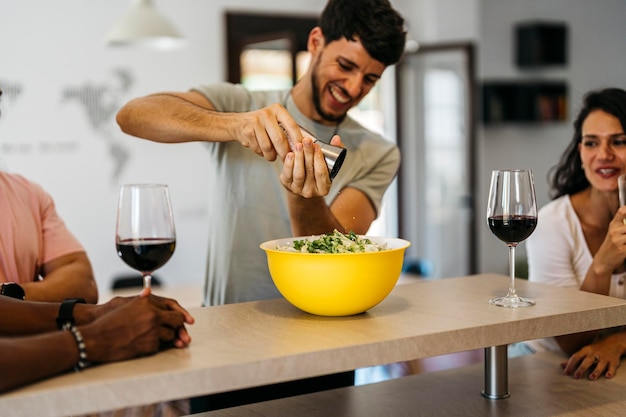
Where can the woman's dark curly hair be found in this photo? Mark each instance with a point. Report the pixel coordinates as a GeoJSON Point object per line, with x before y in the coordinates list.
{"type": "Point", "coordinates": [568, 177]}
{"type": "Point", "coordinates": [374, 22]}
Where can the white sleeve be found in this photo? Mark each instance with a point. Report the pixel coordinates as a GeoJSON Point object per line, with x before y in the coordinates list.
{"type": "Point", "coordinates": [551, 248]}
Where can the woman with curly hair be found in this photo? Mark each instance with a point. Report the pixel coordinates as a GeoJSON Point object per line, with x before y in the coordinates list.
{"type": "Point", "coordinates": [580, 239]}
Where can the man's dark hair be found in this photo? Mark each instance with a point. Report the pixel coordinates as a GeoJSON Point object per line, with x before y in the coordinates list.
{"type": "Point", "coordinates": [568, 175]}
{"type": "Point", "coordinates": [375, 23]}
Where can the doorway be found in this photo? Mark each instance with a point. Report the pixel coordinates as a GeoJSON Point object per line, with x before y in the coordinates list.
{"type": "Point", "coordinates": [266, 50]}
{"type": "Point", "coordinates": [435, 89]}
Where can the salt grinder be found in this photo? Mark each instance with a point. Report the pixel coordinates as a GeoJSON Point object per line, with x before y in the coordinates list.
{"type": "Point", "coordinates": [333, 155]}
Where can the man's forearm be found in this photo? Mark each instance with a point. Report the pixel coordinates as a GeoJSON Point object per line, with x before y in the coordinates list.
{"type": "Point", "coordinates": [172, 118]}
{"type": "Point", "coordinates": [26, 317]}
{"type": "Point", "coordinates": [36, 357]}
{"type": "Point", "coordinates": [33, 317]}
{"type": "Point", "coordinates": [69, 281]}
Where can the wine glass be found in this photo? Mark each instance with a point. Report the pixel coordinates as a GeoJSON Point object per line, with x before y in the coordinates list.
{"type": "Point", "coordinates": [512, 217]}
{"type": "Point", "coordinates": [145, 237]}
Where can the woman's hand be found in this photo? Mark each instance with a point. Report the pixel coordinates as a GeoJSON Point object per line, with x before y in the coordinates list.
{"type": "Point", "coordinates": [599, 358]}
{"type": "Point", "coordinates": [612, 252]}
{"type": "Point", "coordinates": [609, 256]}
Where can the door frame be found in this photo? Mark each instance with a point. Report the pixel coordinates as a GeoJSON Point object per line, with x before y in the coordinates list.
{"type": "Point", "coordinates": [469, 51]}
{"type": "Point", "coordinates": [245, 28]}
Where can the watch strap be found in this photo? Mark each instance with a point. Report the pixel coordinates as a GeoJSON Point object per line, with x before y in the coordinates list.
{"type": "Point", "coordinates": [12, 289]}
{"type": "Point", "coordinates": [65, 319]}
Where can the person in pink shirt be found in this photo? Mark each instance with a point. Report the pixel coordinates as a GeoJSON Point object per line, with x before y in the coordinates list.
{"type": "Point", "coordinates": [39, 257]}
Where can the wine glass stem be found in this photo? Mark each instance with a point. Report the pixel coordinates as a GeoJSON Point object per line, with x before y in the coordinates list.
{"type": "Point", "coordinates": [512, 271]}
{"type": "Point", "coordinates": [147, 281]}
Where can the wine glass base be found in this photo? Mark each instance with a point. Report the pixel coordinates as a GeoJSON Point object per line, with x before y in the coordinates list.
{"type": "Point", "coordinates": [512, 302]}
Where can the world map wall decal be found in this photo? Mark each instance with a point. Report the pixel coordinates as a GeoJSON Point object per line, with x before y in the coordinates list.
{"type": "Point", "coordinates": [100, 102]}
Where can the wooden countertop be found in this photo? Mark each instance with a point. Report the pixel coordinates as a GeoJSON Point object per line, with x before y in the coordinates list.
{"type": "Point", "coordinates": [257, 343]}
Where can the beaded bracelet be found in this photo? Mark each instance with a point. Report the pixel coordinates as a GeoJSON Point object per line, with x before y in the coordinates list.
{"type": "Point", "coordinates": [82, 350]}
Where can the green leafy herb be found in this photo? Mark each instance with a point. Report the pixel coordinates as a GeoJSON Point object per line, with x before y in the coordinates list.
{"type": "Point", "coordinates": [335, 242]}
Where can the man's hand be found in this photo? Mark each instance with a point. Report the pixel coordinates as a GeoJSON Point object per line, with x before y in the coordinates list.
{"type": "Point", "coordinates": [305, 172]}
{"type": "Point", "coordinates": [270, 132]}
{"type": "Point", "coordinates": [127, 327]}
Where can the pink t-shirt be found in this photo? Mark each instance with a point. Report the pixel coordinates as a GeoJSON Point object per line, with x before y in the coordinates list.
{"type": "Point", "coordinates": [31, 231]}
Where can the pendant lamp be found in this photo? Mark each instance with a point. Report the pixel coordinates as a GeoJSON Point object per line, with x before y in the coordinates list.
{"type": "Point", "coordinates": [144, 25]}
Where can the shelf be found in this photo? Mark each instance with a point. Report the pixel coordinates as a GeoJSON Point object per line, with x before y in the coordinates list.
{"type": "Point", "coordinates": [524, 101]}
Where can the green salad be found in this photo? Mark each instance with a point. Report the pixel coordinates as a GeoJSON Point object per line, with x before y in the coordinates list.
{"type": "Point", "coordinates": [335, 242]}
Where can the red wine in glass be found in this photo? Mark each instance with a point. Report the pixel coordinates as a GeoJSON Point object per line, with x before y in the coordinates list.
{"type": "Point", "coordinates": [146, 255]}
{"type": "Point", "coordinates": [145, 237]}
{"type": "Point", "coordinates": [512, 229]}
{"type": "Point", "coordinates": [512, 217]}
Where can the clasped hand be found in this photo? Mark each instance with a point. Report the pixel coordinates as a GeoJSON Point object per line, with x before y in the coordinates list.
{"type": "Point", "coordinates": [127, 327]}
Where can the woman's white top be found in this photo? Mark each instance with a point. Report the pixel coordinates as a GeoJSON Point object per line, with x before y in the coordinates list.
{"type": "Point", "coordinates": [558, 254]}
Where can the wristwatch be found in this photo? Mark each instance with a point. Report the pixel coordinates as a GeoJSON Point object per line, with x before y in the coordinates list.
{"type": "Point", "coordinates": [12, 289]}
{"type": "Point", "coordinates": [65, 319]}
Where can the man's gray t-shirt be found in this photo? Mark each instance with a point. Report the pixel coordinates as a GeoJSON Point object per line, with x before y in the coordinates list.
{"type": "Point", "coordinates": [248, 204]}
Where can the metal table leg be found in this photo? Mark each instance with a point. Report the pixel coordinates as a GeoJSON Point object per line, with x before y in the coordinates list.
{"type": "Point", "coordinates": [496, 373]}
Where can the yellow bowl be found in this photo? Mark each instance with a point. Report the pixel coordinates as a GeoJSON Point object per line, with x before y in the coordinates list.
{"type": "Point", "coordinates": [335, 284]}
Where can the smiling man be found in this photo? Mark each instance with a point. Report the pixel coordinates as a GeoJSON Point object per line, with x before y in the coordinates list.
{"type": "Point", "coordinates": [267, 181]}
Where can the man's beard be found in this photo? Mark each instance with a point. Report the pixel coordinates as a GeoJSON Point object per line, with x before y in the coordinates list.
{"type": "Point", "coordinates": [317, 100]}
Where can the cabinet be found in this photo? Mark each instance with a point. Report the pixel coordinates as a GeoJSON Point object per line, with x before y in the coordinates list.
{"type": "Point", "coordinates": [541, 44]}
{"type": "Point", "coordinates": [524, 101]}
